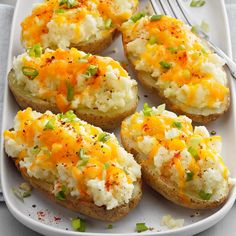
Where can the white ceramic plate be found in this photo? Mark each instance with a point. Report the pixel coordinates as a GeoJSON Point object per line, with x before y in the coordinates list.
{"type": "Point", "coordinates": [152, 206]}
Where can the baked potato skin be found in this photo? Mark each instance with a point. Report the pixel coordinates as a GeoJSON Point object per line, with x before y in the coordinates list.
{"type": "Point", "coordinates": [97, 46]}
{"type": "Point", "coordinates": [85, 206]}
{"type": "Point", "coordinates": [103, 120]}
{"type": "Point", "coordinates": [149, 83]}
{"type": "Point", "coordinates": [160, 185]}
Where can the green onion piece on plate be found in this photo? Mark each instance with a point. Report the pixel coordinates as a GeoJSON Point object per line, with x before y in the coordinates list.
{"type": "Point", "coordinates": [141, 227]}
{"type": "Point", "coordinates": [29, 72]}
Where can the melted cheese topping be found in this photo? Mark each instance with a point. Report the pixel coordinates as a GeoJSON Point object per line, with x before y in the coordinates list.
{"type": "Point", "coordinates": [71, 154]}
{"type": "Point", "coordinates": [52, 24]}
{"type": "Point", "coordinates": [188, 158]}
{"type": "Point", "coordinates": [73, 80]}
{"type": "Point", "coordinates": [179, 62]}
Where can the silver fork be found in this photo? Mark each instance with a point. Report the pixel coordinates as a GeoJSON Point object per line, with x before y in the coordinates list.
{"type": "Point", "coordinates": [176, 9]}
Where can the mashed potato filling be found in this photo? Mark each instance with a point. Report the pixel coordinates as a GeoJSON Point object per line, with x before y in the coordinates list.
{"type": "Point", "coordinates": [78, 159]}
{"type": "Point", "coordinates": [72, 79]}
{"type": "Point", "coordinates": [60, 23]}
{"type": "Point", "coordinates": [189, 158]}
{"type": "Point", "coordinates": [178, 62]}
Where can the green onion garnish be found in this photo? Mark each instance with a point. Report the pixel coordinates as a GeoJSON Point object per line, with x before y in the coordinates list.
{"type": "Point", "coordinates": [193, 152]}
{"type": "Point", "coordinates": [69, 3]}
{"type": "Point", "coordinates": [106, 165]}
{"type": "Point", "coordinates": [84, 158]}
{"type": "Point", "coordinates": [59, 11]}
{"type": "Point", "coordinates": [29, 72]}
{"type": "Point", "coordinates": [152, 40]}
{"type": "Point", "coordinates": [18, 194]}
{"type": "Point", "coordinates": [70, 91]}
{"type": "Point", "coordinates": [165, 65]}
{"type": "Point", "coordinates": [49, 124]}
{"type": "Point", "coordinates": [147, 111]}
{"type": "Point", "coordinates": [141, 227]}
{"type": "Point", "coordinates": [189, 175]}
{"type": "Point", "coordinates": [103, 137]}
{"type": "Point", "coordinates": [108, 23]}
{"type": "Point", "coordinates": [78, 225]}
{"type": "Point", "coordinates": [91, 71]}
{"type": "Point", "coordinates": [110, 226]}
{"type": "Point", "coordinates": [195, 29]}
{"type": "Point", "coordinates": [213, 132]}
{"type": "Point", "coordinates": [35, 149]}
{"type": "Point", "coordinates": [156, 17]}
{"type": "Point", "coordinates": [137, 16]}
{"type": "Point", "coordinates": [197, 3]}
{"type": "Point", "coordinates": [69, 116]}
{"type": "Point", "coordinates": [25, 186]}
{"type": "Point", "coordinates": [61, 194]}
{"type": "Point", "coordinates": [35, 51]}
{"type": "Point", "coordinates": [205, 196]}
{"type": "Point", "coordinates": [177, 124]}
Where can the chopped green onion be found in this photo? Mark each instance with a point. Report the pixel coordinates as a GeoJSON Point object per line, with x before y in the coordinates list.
{"type": "Point", "coordinates": [165, 65]}
{"type": "Point", "coordinates": [50, 124]}
{"type": "Point", "coordinates": [84, 59]}
{"type": "Point", "coordinates": [205, 26]}
{"type": "Point", "coordinates": [141, 227]}
{"type": "Point", "coordinates": [59, 11]}
{"type": "Point", "coordinates": [189, 175]}
{"type": "Point", "coordinates": [176, 49]}
{"type": "Point", "coordinates": [69, 116]}
{"type": "Point", "coordinates": [137, 16]}
{"type": "Point", "coordinates": [25, 187]}
{"type": "Point", "coordinates": [84, 158]}
{"type": "Point", "coordinates": [18, 194]}
{"type": "Point", "coordinates": [110, 226]}
{"type": "Point", "coordinates": [152, 40]}
{"type": "Point", "coordinates": [78, 225]}
{"type": "Point", "coordinates": [69, 3]}
{"type": "Point", "coordinates": [29, 72]}
{"type": "Point", "coordinates": [35, 51]}
{"type": "Point", "coordinates": [147, 111]}
{"type": "Point", "coordinates": [193, 152]}
{"type": "Point", "coordinates": [91, 71]}
{"type": "Point", "coordinates": [197, 3]}
{"type": "Point", "coordinates": [70, 91]}
{"type": "Point", "coordinates": [103, 137]}
{"type": "Point", "coordinates": [177, 124]}
{"type": "Point", "coordinates": [161, 108]}
{"type": "Point", "coordinates": [61, 194]}
{"type": "Point", "coordinates": [205, 196]}
{"type": "Point", "coordinates": [35, 149]}
{"type": "Point", "coordinates": [106, 165]}
{"type": "Point", "coordinates": [108, 23]}
{"type": "Point", "coordinates": [156, 17]}
{"type": "Point", "coordinates": [26, 194]}
{"type": "Point", "coordinates": [195, 29]}
{"type": "Point", "coordinates": [213, 132]}
{"type": "Point", "coordinates": [75, 223]}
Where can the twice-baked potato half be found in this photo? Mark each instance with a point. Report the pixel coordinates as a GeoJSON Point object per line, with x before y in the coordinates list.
{"type": "Point", "coordinates": [97, 88]}
{"type": "Point", "coordinates": [177, 65]}
{"type": "Point", "coordinates": [179, 161]}
{"type": "Point", "coordinates": [74, 163]}
{"type": "Point", "coordinates": [88, 25]}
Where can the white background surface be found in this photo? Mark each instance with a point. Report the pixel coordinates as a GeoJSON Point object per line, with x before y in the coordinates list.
{"type": "Point", "coordinates": [227, 227]}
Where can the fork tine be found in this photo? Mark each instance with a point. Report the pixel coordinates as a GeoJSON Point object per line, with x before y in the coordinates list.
{"type": "Point", "coordinates": [171, 8]}
{"type": "Point", "coordinates": [155, 7]}
{"type": "Point", "coordinates": [184, 13]}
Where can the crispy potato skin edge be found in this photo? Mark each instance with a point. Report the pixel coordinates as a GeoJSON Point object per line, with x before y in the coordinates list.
{"type": "Point", "coordinates": [160, 185]}
{"type": "Point", "coordinates": [148, 85]}
{"type": "Point", "coordinates": [103, 120]}
{"type": "Point", "coordinates": [85, 206]}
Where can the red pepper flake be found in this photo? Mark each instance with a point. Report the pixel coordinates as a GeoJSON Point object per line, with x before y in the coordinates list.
{"type": "Point", "coordinates": [56, 218]}
{"type": "Point", "coordinates": [41, 215]}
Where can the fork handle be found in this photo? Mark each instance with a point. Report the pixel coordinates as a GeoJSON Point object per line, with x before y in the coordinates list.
{"type": "Point", "coordinates": [229, 62]}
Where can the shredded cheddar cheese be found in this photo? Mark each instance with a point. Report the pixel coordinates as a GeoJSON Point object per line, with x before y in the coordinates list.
{"type": "Point", "coordinates": [56, 24]}
{"type": "Point", "coordinates": [182, 65]}
{"type": "Point", "coordinates": [72, 79]}
{"type": "Point", "coordinates": [68, 152]}
{"type": "Point", "coordinates": [188, 157]}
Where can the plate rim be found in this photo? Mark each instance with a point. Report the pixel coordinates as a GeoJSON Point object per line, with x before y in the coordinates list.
{"type": "Point", "coordinates": [192, 228]}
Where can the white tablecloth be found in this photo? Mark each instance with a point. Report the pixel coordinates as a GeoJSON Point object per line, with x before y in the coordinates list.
{"type": "Point", "coordinates": [11, 227]}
